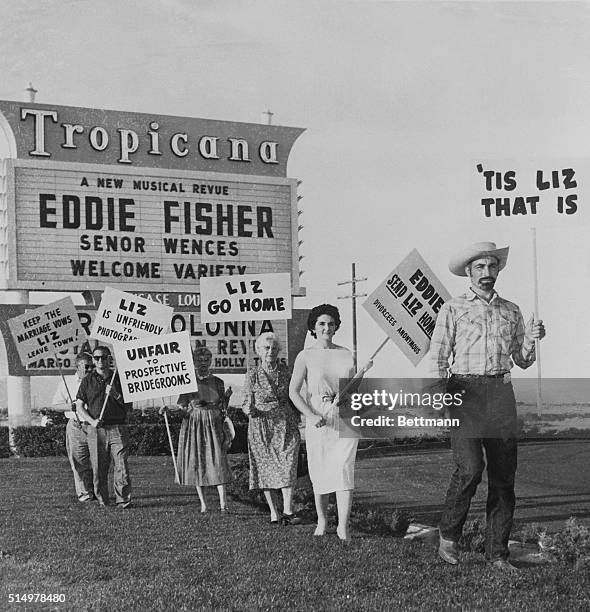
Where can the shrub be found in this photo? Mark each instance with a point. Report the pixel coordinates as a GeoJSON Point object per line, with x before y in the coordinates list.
{"type": "Point", "coordinates": [152, 416]}
{"type": "Point", "coordinates": [4, 443]}
{"type": "Point", "coordinates": [239, 488]}
{"type": "Point", "coordinates": [571, 544]}
{"type": "Point", "coordinates": [374, 520]}
{"type": "Point", "coordinates": [399, 522]}
{"type": "Point", "coordinates": [152, 439]}
{"type": "Point", "coordinates": [528, 534]}
{"type": "Point", "coordinates": [40, 441]}
{"type": "Point", "coordinates": [56, 418]}
{"type": "Point", "coordinates": [145, 438]}
{"type": "Point", "coordinates": [237, 415]}
{"type": "Point", "coordinates": [240, 443]}
{"type": "Point", "coordinates": [474, 536]}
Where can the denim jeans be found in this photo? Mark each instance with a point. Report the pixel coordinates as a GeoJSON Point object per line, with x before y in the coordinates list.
{"type": "Point", "coordinates": [487, 422]}
{"type": "Point", "coordinates": [106, 443]}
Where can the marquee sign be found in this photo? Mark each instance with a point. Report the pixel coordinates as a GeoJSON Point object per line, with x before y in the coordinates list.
{"type": "Point", "coordinates": [108, 137]}
{"type": "Point", "coordinates": [79, 228]}
{"type": "Point", "coordinates": [153, 203]}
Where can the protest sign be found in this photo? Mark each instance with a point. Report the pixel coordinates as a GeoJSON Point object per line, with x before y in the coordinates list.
{"type": "Point", "coordinates": [156, 366]}
{"type": "Point", "coordinates": [544, 194]}
{"type": "Point", "coordinates": [227, 341]}
{"type": "Point", "coordinates": [122, 317]}
{"type": "Point", "coordinates": [539, 193]}
{"type": "Point", "coordinates": [46, 330]}
{"type": "Point", "coordinates": [246, 297]}
{"type": "Point", "coordinates": [405, 305]}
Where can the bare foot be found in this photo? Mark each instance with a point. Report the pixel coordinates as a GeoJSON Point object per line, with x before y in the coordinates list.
{"type": "Point", "coordinates": [203, 509]}
{"type": "Point", "coordinates": [320, 530]}
{"type": "Point", "coordinates": [343, 533]}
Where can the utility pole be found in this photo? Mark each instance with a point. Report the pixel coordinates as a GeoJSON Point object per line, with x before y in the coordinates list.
{"type": "Point", "coordinates": [354, 280]}
{"type": "Point", "coordinates": [267, 117]}
{"type": "Point", "coordinates": [32, 92]}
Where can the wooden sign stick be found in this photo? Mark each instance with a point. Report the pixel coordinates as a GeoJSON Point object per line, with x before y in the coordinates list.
{"type": "Point", "coordinates": [170, 441]}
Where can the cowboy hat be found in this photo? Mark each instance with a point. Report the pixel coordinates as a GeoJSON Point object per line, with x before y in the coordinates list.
{"type": "Point", "coordinates": [478, 250]}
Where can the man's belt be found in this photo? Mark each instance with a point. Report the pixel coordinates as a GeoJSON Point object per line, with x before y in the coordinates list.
{"type": "Point", "coordinates": [483, 377]}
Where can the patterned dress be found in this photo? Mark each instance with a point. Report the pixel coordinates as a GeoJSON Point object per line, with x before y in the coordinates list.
{"type": "Point", "coordinates": [202, 446]}
{"type": "Point", "coordinates": [273, 432]}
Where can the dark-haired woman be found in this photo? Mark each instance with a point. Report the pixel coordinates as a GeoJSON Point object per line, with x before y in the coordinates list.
{"type": "Point", "coordinates": [330, 457]}
{"type": "Point", "coordinates": [203, 442]}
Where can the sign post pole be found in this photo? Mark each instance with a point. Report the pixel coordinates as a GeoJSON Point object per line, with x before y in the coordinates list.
{"type": "Point", "coordinates": [362, 371]}
{"type": "Point", "coordinates": [537, 343]}
{"type": "Point", "coordinates": [61, 373]}
{"type": "Point", "coordinates": [177, 479]}
{"type": "Point", "coordinates": [107, 393]}
{"type": "Point", "coordinates": [248, 351]}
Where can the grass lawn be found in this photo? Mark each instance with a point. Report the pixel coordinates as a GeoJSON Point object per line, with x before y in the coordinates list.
{"type": "Point", "coordinates": [164, 555]}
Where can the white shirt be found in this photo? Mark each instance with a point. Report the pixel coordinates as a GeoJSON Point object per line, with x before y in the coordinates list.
{"type": "Point", "coordinates": [61, 395]}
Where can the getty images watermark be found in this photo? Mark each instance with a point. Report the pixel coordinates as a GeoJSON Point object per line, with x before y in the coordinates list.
{"type": "Point", "coordinates": [386, 408]}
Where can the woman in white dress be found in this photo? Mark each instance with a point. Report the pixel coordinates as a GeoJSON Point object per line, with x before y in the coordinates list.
{"type": "Point", "coordinates": [330, 457]}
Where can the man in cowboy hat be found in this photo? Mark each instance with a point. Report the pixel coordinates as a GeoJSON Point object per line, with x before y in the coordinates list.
{"type": "Point", "coordinates": [478, 338]}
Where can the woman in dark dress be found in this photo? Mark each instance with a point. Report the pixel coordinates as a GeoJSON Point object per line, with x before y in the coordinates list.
{"type": "Point", "coordinates": [203, 442]}
{"type": "Point", "coordinates": [273, 431]}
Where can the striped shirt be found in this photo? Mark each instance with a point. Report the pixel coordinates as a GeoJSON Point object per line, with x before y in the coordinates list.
{"type": "Point", "coordinates": [479, 337]}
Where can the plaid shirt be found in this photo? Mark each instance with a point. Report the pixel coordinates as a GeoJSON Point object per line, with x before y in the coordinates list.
{"type": "Point", "coordinates": [482, 338]}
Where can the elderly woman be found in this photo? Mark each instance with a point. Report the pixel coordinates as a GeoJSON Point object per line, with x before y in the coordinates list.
{"type": "Point", "coordinates": [330, 457]}
{"type": "Point", "coordinates": [203, 441]}
{"type": "Point", "coordinates": [273, 433]}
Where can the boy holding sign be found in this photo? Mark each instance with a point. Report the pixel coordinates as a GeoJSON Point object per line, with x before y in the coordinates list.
{"type": "Point", "coordinates": [108, 437]}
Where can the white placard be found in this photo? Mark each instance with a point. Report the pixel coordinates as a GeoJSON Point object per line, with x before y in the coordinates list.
{"type": "Point", "coordinates": [46, 330]}
{"type": "Point", "coordinates": [246, 297]}
{"type": "Point", "coordinates": [530, 193]}
{"type": "Point", "coordinates": [405, 305]}
{"type": "Point", "coordinates": [122, 317]}
{"type": "Point", "coordinates": [156, 366]}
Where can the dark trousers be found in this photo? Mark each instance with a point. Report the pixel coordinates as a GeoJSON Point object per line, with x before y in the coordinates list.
{"type": "Point", "coordinates": [487, 422]}
{"type": "Point", "coordinates": [106, 443]}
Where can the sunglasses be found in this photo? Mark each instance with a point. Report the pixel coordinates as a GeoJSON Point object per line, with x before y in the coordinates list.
{"type": "Point", "coordinates": [99, 357]}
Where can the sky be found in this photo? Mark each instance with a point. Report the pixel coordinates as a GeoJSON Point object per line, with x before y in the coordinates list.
{"type": "Point", "coordinates": [399, 100]}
